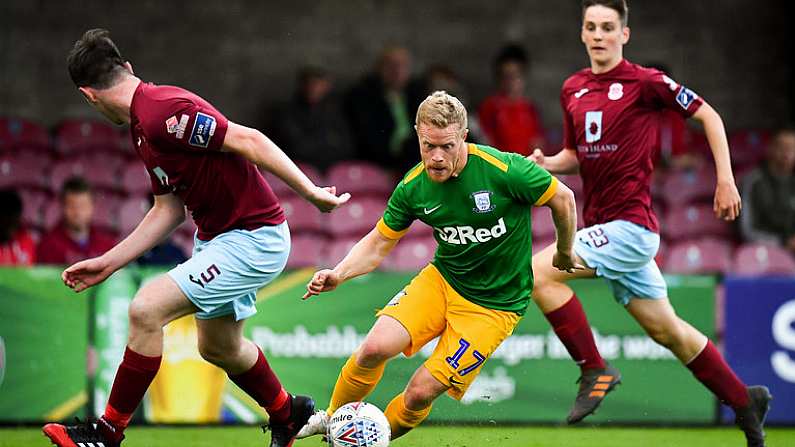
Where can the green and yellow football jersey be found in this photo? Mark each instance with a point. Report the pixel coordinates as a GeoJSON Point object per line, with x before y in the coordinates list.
{"type": "Point", "coordinates": [481, 221]}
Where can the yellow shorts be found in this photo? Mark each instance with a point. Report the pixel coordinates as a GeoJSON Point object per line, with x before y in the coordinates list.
{"type": "Point", "coordinates": [468, 333]}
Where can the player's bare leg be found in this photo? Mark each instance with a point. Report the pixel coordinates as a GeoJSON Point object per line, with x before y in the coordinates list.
{"type": "Point", "coordinates": [221, 342]}
{"type": "Point", "coordinates": [565, 314]}
{"type": "Point", "coordinates": [156, 304]}
{"type": "Point", "coordinates": [409, 408]}
{"type": "Point", "coordinates": [692, 348]}
{"type": "Point", "coordinates": [363, 370]}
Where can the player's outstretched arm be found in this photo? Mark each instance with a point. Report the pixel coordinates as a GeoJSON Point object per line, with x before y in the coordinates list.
{"type": "Point", "coordinates": [252, 145]}
{"type": "Point", "coordinates": [166, 214]}
{"type": "Point", "coordinates": [564, 162]}
{"type": "Point", "coordinates": [564, 216]}
{"type": "Point", "coordinates": [363, 258]}
{"type": "Point", "coordinates": [727, 202]}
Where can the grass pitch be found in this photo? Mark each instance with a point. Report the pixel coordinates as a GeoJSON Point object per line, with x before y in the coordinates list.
{"type": "Point", "coordinates": [439, 436]}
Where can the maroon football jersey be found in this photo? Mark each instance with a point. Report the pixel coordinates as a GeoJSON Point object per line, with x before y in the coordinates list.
{"type": "Point", "coordinates": [179, 137]}
{"type": "Point", "coordinates": [612, 120]}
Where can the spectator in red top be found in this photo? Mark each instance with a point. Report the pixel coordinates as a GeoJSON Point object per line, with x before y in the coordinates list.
{"type": "Point", "coordinates": [16, 245]}
{"type": "Point", "coordinates": [508, 118]}
{"type": "Point", "coordinates": [74, 238]}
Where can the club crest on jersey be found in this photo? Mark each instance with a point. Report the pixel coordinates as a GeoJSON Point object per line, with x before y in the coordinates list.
{"type": "Point", "coordinates": [685, 97]}
{"type": "Point", "coordinates": [482, 202]}
{"type": "Point", "coordinates": [593, 126]}
{"type": "Point", "coordinates": [177, 127]}
{"type": "Point", "coordinates": [203, 130]}
{"type": "Point", "coordinates": [616, 91]}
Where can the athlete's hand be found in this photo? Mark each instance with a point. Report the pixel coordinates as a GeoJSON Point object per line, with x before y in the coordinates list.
{"type": "Point", "coordinates": [537, 156]}
{"type": "Point", "coordinates": [85, 274]}
{"type": "Point", "coordinates": [727, 203]}
{"type": "Point", "coordinates": [566, 262]}
{"type": "Point", "coordinates": [326, 199]}
{"type": "Point", "coordinates": [323, 281]}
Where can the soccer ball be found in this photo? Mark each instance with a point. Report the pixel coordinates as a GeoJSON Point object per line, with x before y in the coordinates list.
{"type": "Point", "coordinates": [358, 424]}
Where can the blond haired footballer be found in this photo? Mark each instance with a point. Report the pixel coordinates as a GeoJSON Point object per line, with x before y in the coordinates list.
{"type": "Point", "coordinates": [478, 286]}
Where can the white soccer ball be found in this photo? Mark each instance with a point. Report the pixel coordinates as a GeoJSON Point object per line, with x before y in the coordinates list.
{"type": "Point", "coordinates": [358, 424]}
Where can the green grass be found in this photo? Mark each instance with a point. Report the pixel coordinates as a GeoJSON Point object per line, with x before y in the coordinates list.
{"type": "Point", "coordinates": [437, 436]}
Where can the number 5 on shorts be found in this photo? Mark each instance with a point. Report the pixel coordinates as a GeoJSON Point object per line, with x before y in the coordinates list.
{"type": "Point", "coordinates": [462, 349]}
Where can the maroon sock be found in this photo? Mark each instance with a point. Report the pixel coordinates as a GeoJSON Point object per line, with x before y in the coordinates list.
{"type": "Point", "coordinates": [711, 369]}
{"type": "Point", "coordinates": [133, 377]}
{"type": "Point", "coordinates": [261, 383]}
{"type": "Point", "coordinates": [571, 326]}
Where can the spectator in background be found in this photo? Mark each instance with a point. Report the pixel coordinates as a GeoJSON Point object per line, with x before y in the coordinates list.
{"type": "Point", "coordinates": [769, 195]}
{"type": "Point", "coordinates": [381, 108]}
{"type": "Point", "coordinates": [508, 118]}
{"type": "Point", "coordinates": [74, 238]}
{"type": "Point", "coordinates": [440, 77]}
{"type": "Point", "coordinates": [16, 244]}
{"type": "Point", "coordinates": [673, 150]}
{"type": "Point", "coordinates": [312, 127]}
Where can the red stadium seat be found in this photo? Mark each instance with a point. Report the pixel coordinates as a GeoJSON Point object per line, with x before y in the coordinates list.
{"type": "Point", "coordinates": [762, 259]}
{"type": "Point", "coordinates": [185, 243]}
{"type": "Point", "coordinates": [684, 187]}
{"type": "Point", "coordinates": [748, 147]}
{"type": "Point", "coordinates": [125, 144]}
{"type": "Point", "coordinates": [358, 177]}
{"type": "Point", "coordinates": [33, 202]}
{"type": "Point", "coordinates": [63, 170]}
{"type": "Point", "coordinates": [188, 227]}
{"type": "Point", "coordinates": [574, 182]}
{"type": "Point", "coordinates": [131, 212]}
{"type": "Point", "coordinates": [306, 251]}
{"type": "Point", "coordinates": [693, 222]}
{"type": "Point", "coordinates": [17, 132]}
{"type": "Point", "coordinates": [355, 218]}
{"type": "Point", "coordinates": [410, 255]}
{"type": "Point", "coordinates": [283, 191]}
{"type": "Point", "coordinates": [135, 180]}
{"type": "Point", "coordinates": [337, 249]}
{"type": "Point", "coordinates": [543, 226]}
{"type": "Point", "coordinates": [102, 169]}
{"type": "Point", "coordinates": [418, 229]}
{"type": "Point", "coordinates": [699, 257]}
{"type": "Point", "coordinates": [542, 243]}
{"type": "Point", "coordinates": [75, 136]}
{"type": "Point", "coordinates": [301, 215]}
{"type": "Point", "coordinates": [23, 170]}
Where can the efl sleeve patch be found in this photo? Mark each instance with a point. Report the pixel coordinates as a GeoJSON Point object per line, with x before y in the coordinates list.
{"type": "Point", "coordinates": [685, 97]}
{"type": "Point", "coordinates": [203, 130]}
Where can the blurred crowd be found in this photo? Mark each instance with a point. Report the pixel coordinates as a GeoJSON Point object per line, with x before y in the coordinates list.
{"type": "Point", "coordinates": [74, 195]}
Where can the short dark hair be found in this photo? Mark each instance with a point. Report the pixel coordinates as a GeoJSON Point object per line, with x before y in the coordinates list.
{"type": "Point", "coordinates": [512, 52]}
{"type": "Point", "coordinates": [619, 6]}
{"type": "Point", "coordinates": [95, 61]}
{"type": "Point", "coordinates": [75, 185]}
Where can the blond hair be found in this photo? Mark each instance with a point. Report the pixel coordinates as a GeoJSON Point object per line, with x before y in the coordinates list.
{"type": "Point", "coordinates": [440, 110]}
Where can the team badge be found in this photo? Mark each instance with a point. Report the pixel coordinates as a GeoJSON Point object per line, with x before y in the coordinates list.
{"type": "Point", "coordinates": [593, 126]}
{"type": "Point", "coordinates": [482, 202]}
{"type": "Point", "coordinates": [685, 97]}
{"type": "Point", "coordinates": [203, 130]}
{"type": "Point", "coordinates": [616, 91]}
{"type": "Point", "coordinates": [177, 127]}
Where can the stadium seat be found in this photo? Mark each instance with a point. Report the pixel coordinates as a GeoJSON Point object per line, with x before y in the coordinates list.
{"type": "Point", "coordinates": [306, 251]}
{"type": "Point", "coordinates": [23, 170]}
{"type": "Point", "coordinates": [699, 257]}
{"type": "Point", "coordinates": [106, 210]}
{"type": "Point", "coordinates": [542, 243]}
{"type": "Point", "coordinates": [693, 222]}
{"type": "Point", "coordinates": [131, 212]}
{"type": "Point", "coordinates": [102, 169]}
{"type": "Point", "coordinates": [188, 227]}
{"type": "Point", "coordinates": [355, 218]}
{"type": "Point", "coordinates": [74, 136]}
{"type": "Point", "coordinates": [543, 226]}
{"type": "Point", "coordinates": [748, 147]}
{"type": "Point", "coordinates": [410, 255]}
{"type": "Point", "coordinates": [135, 180]}
{"type": "Point", "coordinates": [685, 187]}
{"type": "Point", "coordinates": [337, 249]}
{"type": "Point", "coordinates": [125, 144]}
{"type": "Point", "coordinates": [574, 182]}
{"type": "Point", "coordinates": [762, 259]}
{"type": "Point", "coordinates": [357, 178]}
{"type": "Point", "coordinates": [33, 202]}
{"type": "Point", "coordinates": [284, 191]}
{"type": "Point", "coordinates": [17, 132]}
{"type": "Point", "coordinates": [302, 216]}
{"type": "Point", "coordinates": [63, 170]}
{"type": "Point", "coordinates": [185, 243]}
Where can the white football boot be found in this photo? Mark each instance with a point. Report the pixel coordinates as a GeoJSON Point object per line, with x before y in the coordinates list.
{"type": "Point", "coordinates": [316, 425]}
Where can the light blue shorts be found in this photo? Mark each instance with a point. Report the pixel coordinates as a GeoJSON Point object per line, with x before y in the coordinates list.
{"type": "Point", "coordinates": [623, 253]}
{"type": "Point", "coordinates": [223, 275]}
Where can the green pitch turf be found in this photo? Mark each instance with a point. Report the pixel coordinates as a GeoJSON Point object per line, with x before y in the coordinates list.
{"type": "Point", "coordinates": [438, 436]}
